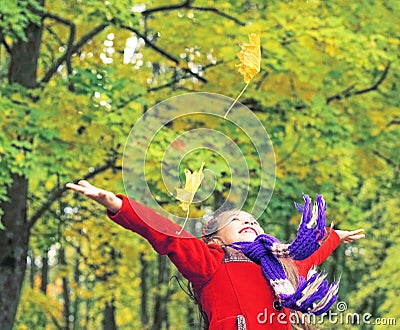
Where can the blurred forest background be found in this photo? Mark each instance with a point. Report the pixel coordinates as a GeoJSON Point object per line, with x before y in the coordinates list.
{"type": "Point", "coordinates": [75, 76]}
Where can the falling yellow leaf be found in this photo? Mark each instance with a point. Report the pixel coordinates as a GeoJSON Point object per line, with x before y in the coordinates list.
{"type": "Point", "coordinates": [250, 63]}
{"type": "Point", "coordinates": [186, 195]}
{"type": "Point", "coordinates": [250, 58]}
{"type": "Point", "coordinates": [193, 181]}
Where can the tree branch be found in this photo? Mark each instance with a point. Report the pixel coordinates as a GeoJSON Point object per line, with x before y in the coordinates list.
{"type": "Point", "coordinates": [162, 51]}
{"type": "Point", "coordinates": [393, 122]}
{"type": "Point", "coordinates": [196, 75]}
{"type": "Point", "coordinates": [343, 94]}
{"type": "Point", "coordinates": [171, 83]}
{"type": "Point", "coordinates": [46, 14]}
{"type": "Point", "coordinates": [188, 5]}
{"type": "Point", "coordinates": [285, 158]}
{"type": "Point", "coordinates": [86, 37]}
{"type": "Point", "coordinates": [151, 45]}
{"type": "Point", "coordinates": [211, 65]}
{"type": "Point", "coordinates": [150, 11]}
{"type": "Point", "coordinates": [349, 91]}
{"type": "Point", "coordinates": [218, 12]}
{"type": "Point", "coordinates": [68, 52]}
{"type": "Point", "coordinates": [377, 84]}
{"type": "Point", "coordinates": [261, 80]}
{"type": "Point", "coordinates": [54, 35]}
{"type": "Point", "coordinates": [387, 160]}
{"type": "Point", "coordinates": [57, 192]}
{"type": "Point", "coordinates": [73, 49]}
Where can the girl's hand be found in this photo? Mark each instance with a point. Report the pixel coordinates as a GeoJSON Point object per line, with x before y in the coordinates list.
{"type": "Point", "coordinates": [350, 236]}
{"type": "Point", "coordinates": [106, 198]}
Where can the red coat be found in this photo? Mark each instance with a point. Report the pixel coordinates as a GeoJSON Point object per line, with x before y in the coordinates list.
{"type": "Point", "coordinates": [228, 284]}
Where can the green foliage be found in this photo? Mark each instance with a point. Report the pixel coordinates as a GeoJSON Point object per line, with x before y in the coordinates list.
{"type": "Point", "coordinates": [16, 16]}
{"type": "Point", "coordinates": [38, 308]}
{"type": "Point", "coordinates": [327, 95]}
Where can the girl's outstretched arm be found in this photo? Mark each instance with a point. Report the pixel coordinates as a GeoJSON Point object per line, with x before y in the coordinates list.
{"type": "Point", "coordinates": [194, 259]}
{"type": "Point", "coordinates": [350, 236]}
{"type": "Point", "coordinates": [335, 238]}
{"type": "Point", "coordinates": [104, 197]}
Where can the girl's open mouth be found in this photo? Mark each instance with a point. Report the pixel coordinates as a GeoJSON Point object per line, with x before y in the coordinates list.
{"type": "Point", "coordinates": [248, 229]}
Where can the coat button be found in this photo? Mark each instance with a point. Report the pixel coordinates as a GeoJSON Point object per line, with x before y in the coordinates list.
{"type": "Point", "coordinates": [277, 305]}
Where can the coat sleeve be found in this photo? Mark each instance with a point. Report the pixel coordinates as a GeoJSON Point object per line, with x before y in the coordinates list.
{"type": "Point", "coordinates": [319, 256]}
{"type": "Point", "coordinates": [195, 260]}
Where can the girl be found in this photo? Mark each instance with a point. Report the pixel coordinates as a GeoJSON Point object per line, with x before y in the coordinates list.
{"type": "Point", "coordinates": [232, 289]}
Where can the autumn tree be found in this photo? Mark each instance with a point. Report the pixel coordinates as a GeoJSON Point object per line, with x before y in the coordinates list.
{"type": "Point", "coordinates": [76, 75]}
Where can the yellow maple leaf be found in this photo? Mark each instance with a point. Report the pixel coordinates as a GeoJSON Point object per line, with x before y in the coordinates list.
{"type": "Point", "coordinates": [250, 63]}
{"type": "Point", "coordinates": [192, 184]}
{"type": "Point", "coordinates": [186, 195]}
{"type": "Point", "coordinates": [250, 58]}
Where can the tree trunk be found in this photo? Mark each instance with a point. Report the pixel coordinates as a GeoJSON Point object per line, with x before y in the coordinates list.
{"type": "Point", "coordinates": [45, 273]}
{"type": "Point", "coordinates": [88, 319]}
{"type": "Point", "coordinates": [44, 279]}
{"type": "Point", "coordinates": [24, 58]}
{"type": "Point", "coordinates": [14, 240]}
{"type": "Point", "coordinates": [32, 269]}
{"type": "Point", "coordinates": [109, 316]}
{"type": "Point", "coordinates": [77, 301]}
{"type": "Point", "coordinates": [144, 291]}
{"type": "Point", "coordinates": [191, 316]}
{"type": "Point", "coordinates": [160, 317]}
{"type": "Point", "coordinates": [65, 293]}
{"type": "Point", "coordinates": [66, 305]}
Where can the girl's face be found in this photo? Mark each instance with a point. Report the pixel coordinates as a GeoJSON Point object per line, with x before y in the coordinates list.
{"type": "Point", "coordinates": [240, 227]}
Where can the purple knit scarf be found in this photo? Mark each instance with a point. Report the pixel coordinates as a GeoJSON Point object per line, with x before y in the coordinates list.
{"type": "Point", "coordinates": [313, 294]}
